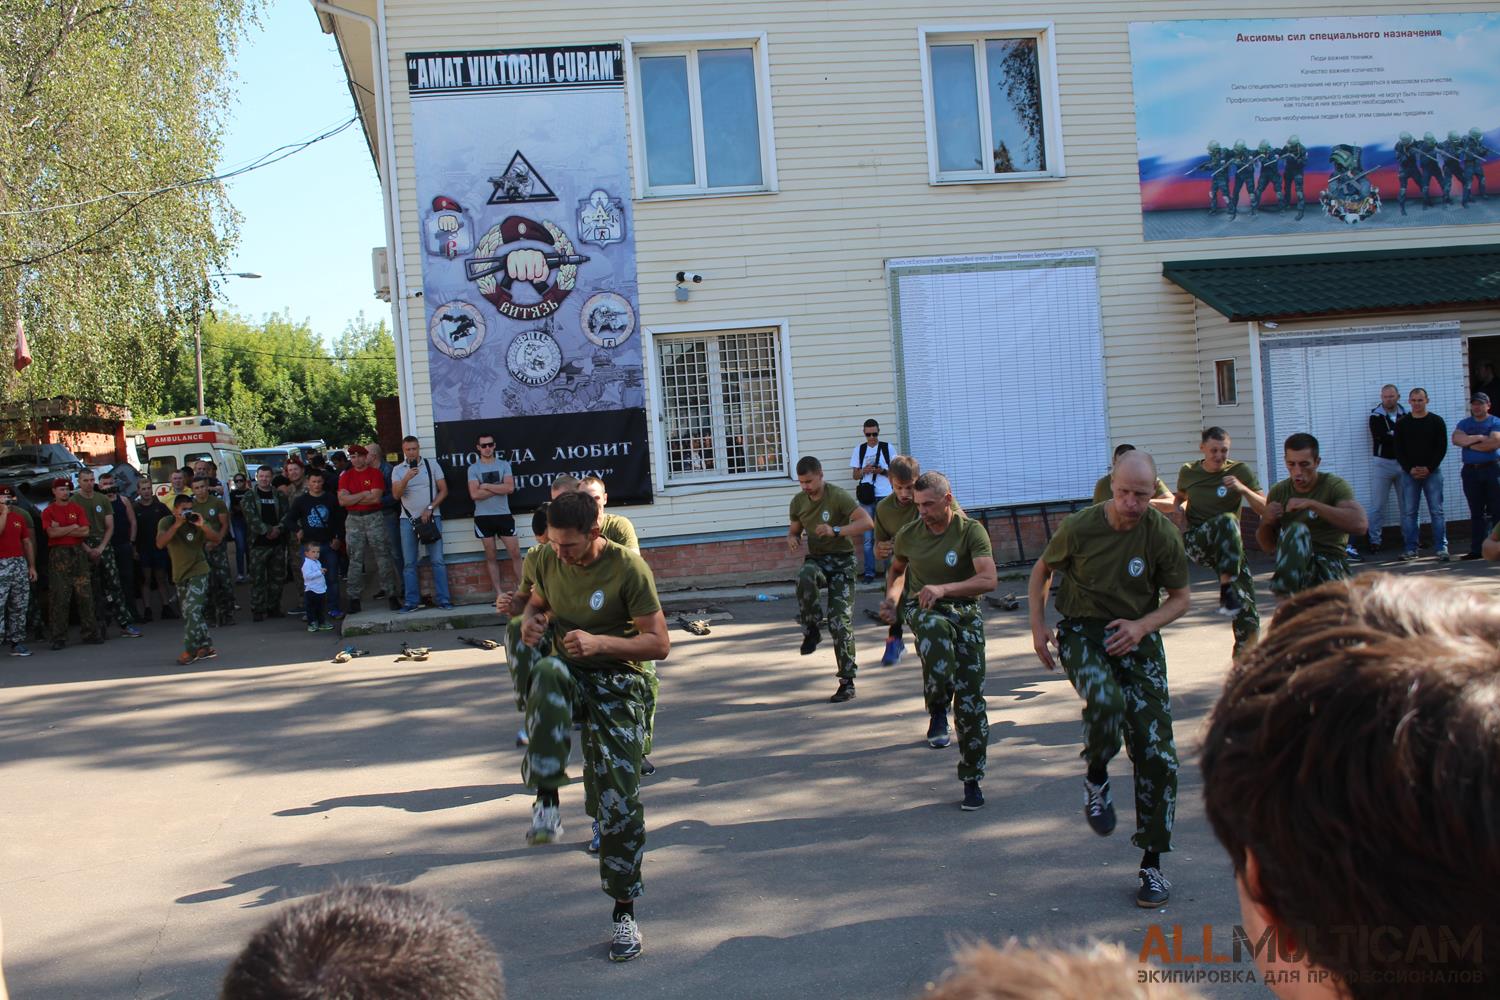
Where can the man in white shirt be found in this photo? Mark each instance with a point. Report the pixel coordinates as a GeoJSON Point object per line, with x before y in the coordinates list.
{"type": "Point", "coordinates": [871, 464]}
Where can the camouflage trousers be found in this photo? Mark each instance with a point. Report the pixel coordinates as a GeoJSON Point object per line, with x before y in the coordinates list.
{"type": "Point", "coordinates": [220, 585]}
{"type": "Point", "coordinates": [1218, 545]}
{"type": "Point", "coordinates": [1127, 696]}
{"type": "Point", "coordinates": [950, 641]}
{"type": "Point", "coordinates": [1298, 567]}
{"type": "Point", "coordinates": [68, 576]}
{"type": "Point", "coordinates": [15, 597]}
{"type": "Point", "coordinates": [267, 577]}
{"type": "Point", "coordinates": [611, 707]}
{"type": "Point", "coordinates": [837, 574]}
{"type": "Point", "coordinates": [108, 589]}
{"type": "Point", "coordinates": [369, 529]}
{"type": "Point", "coordinates": [193, 593]}
{"type": "Point", "coordinates": [520, 657]}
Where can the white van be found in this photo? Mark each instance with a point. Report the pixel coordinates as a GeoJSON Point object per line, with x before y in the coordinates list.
{"type": "Point", "coordinates": [179, 442]}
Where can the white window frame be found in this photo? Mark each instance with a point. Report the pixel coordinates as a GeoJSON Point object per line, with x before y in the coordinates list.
{"type": "Point", "coordinates": [664, 485]}
{"type": "Point", "coordinates": [689, 45]}
{"type": "Point", "coordinates": [975, 34]}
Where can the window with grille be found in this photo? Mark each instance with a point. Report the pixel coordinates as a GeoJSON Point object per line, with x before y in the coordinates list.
{"type": "Point", "coordinates": [721, 412]}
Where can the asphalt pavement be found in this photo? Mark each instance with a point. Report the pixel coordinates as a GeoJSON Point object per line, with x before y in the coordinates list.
{"type": "Point", "coordinates": [156, 815]}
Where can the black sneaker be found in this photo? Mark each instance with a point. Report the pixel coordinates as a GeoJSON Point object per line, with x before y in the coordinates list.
{"type": "Point", "coordinates": [1155, 890]}
{"type": "Point", "coordinates": [354, 606]}
{"type": "Point", "coordinates": [646, 766]}
{"type": "Point", "coordinates": [937, 730]}
{"type": "Point", "coordinates": [1098, 808]}
{"type": "Point", "coordinates": [1470, 557]}
{"type": "Point", "coordinates": [973, 797]}
{"type": "Point", "coordinates": [1229, 600]}
{"type": "Point", "coordinates": [394, 603]}
{"type": "Point", "coordinates": [844, 693]}
{"type": "Point", "coordinates": [810, 639]}
{"type": "Point", "coordinates": [626, 942]}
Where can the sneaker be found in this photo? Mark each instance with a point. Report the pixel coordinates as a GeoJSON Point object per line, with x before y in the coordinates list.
{"type": "Point", "coordinates": [973, 797]}
{"type": "Point", "coordinates": [1470, 557]}
{"type": "Point", "coordinates": [183, 659]}
{"type": "Point", "coordinates": [844, 693]}
{"type": "Point", "coordinates": [446, 607]}
{"type": "Point", "coordinates": [58, 644]}
{"type": "Point", "coordinates": [97, 639]}
{"type": "Point", "coordinates": [19, 649]}
{"type": "Point", "coordinates": [406, 609]}
{"type": "Point", "coordinates": [335, 613]}
{"type": "Point", "coordinates": [325, 627]}
{"type": "Point", "coordinates": [355, 606]}
{"type": "Point", "coordinates": [593, 847]}
{"type": "Point", "coordinates": [867, 578]}
{"type": "Point", "coordinates": [312, 628]}
{"type": "Point", "coordinates": [1353, 554]}
{"type": "Point", "coordinates": [1098, 808]}
{"type": "Point", "coordinates": [626, 943]}
{"type": "Point", "coordinates": [1443, 555]}
{"type": "Point", "coordinates": [394, 603]}
{"type": "Point", "coordinates": [894, 647]}
{"type": "Point", "coordinates": [937, 730]}
{"type": "Point", "coordinates": [131, 632]}
{"type": "Point", "coordinates": [521, 739]}
{"type": "Point", "coordinates": [546, 824]}
{"type": "Point", "coordinates": [1411, 556]}
{"type": "Point", "coordinates": [1229, 601]}
{"type": "Point", "coordinates": [1155, 890]}
{"type": "Point", "coordinates": [646, 766]}
{"type": "Point", "coordinates": [810, 639]}
{"type": "Point", "coordinates": [205, 653]}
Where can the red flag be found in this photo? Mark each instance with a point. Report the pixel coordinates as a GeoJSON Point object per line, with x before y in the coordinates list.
{"type": "Point", "coordinates": [23, 350]}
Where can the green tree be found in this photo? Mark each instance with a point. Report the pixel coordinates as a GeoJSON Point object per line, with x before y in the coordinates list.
{"type": "Point", "coordinates": [104, 106]}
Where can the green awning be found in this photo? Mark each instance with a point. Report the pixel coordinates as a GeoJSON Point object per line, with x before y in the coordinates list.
{"type": "Point", "coordinates": [1301, 286]}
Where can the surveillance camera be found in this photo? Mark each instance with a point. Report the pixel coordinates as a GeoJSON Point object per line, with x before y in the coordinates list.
{"type": "Point", "coordinates": [683, 277]}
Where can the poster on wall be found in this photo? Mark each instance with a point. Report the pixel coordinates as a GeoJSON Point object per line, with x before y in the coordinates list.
{"type": "Point", "coordinates": [1316, 126]}
{"type": "Point", "coordinates": [528, 266]}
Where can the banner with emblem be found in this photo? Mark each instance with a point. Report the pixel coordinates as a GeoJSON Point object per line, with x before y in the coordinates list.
{"type": "Point", "coordinates": [528, 266]}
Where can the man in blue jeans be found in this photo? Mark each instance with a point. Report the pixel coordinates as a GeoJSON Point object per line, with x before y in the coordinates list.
{"type": "Point", "coordinates": [418, 485]}
{"type": "Point", "coordinates": [1420, 444]}
{"type": "Point", "coordinates": [1478, 435]}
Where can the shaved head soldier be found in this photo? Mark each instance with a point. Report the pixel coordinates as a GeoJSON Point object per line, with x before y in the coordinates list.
{"type": "Point", "coordinates": [1214, 488]}
{"type": "Point", "coordinates": [829, 517]}
{"type": "Point", "coordinates": [1116, 558]}
{"type": "Point", "coordinates": [941, 563]}
{"type": "Point", "coordinates": [1308, 519]}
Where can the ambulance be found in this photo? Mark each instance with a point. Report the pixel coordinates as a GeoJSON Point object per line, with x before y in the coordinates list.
{"type": "Point", "coordinates": [178, 442]}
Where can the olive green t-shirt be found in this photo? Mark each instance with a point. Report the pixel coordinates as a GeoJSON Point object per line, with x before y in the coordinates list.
{"type": "Point", "coordinates": [939, 559]}
{"type": "Point", "coordinates": [186, 550]}
{"type": "Point", "coordinates": [1207, 496]}
{"type": "Point", "coordinates": [210, 510]}
{"type": "Point", "coordinates": [834, 510]}
{"type": "Point", "coordinates": [1115, 574]}
{"type": "Point", "coordinates": [619, 530]}
{"type": "Point", "coordinates": [1102, 491]}
{"type": "Point", "coordinates": [97, 508]}
{"type": "Point", "coordinates": [604, 598]}
{"type": "Point", "coordinates": [1328, 489]}
{"type": "Point", "coordinates": [528, 568]}
{"type": "Point", "coordinates": [891, 515]}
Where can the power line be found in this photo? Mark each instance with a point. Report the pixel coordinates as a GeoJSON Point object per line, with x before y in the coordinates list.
{"type": "Point", "coordinates": [300, 357]}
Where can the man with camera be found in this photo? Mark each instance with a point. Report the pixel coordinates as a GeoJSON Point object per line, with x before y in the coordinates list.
{"type": "Point", "coordinates": [871, 462]}
{"type": "Point", "coordinates": [421, 490]}
{"type": "Point", "coordinates": [360, 490]}
{"type": "Point", "coordinates": [185, 536]}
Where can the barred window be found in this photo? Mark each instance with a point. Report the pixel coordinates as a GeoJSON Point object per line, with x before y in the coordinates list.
{"type": "Point", "coordinates": [721, 411]}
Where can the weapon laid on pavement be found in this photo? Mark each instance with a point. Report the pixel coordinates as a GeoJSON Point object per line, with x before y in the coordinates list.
{"type": "Point", "coordinates": [479, 643]}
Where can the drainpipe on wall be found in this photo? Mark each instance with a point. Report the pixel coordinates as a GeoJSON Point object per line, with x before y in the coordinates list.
{"type": "Point", "coordinates": [395, 258]}
{"type": "Point", "coordinates": [1258, 408]}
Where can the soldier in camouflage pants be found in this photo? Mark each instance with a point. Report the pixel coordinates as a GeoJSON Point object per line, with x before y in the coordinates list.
{"type": "Point", "coordinates": [220, 585]}
{"type": "Point", "coordinates": [950, 641]}
{"type": "Point", "coordinates": [267, 545]}
{"type": "Point", "coordinates": [193, 592]}
{"type": "Point", "coordinates": [1217, 544]}
{"type": "Point", "coordinates": [835, 572]}
{"type": "Point", "coordinates": [1126, 695]}
{"type": "Point", "coordinates": [68, 576]}
{"type": "Point", "coordinates": [611, 707]}
{"type": "Point", "coordinates": [1298, 567]}
{"type": "Point", "coordinates": [108, 589]}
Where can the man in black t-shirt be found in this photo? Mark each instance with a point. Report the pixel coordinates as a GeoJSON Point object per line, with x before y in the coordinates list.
{"type": "Point", "coordinates": [315, 516]}
{"type": "Point", "coordinates": [1420, 445]}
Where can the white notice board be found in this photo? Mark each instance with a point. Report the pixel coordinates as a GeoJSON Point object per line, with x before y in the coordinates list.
{"type": "Point", "coordinates": [1326, 382]}
{"type": "Point", "coordinates": [1001, 373]}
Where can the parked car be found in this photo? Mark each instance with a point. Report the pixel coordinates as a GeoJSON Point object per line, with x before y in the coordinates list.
{"type": "Point", "coordinates": [30, 468]}
{"type": "Point", "coordinates": [274, 458]}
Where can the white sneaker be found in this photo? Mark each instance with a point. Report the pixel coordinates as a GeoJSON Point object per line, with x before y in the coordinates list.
{"type": "Point", "coordinates": [626, 943]}
{"type": "Point", "coordinates": [546, 824]}
{"type": "Point", "coordinates": [1443, 555]}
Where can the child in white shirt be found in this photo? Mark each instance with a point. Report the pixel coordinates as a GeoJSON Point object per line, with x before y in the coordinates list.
{"type": "Point", "coordinates": [314, 588]}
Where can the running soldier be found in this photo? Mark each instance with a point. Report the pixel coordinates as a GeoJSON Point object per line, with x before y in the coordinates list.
{"type": "Point", "coordinates": [597, 601]}
{"type": "Point", "coordinates": [1217, 166]}
{"type": "Point", "coordinates": [1451, 152]}
{"type": "Point", "coordinates": [360, 490]}
{"type": "Point", "coordinates": [1408, 169]}
{"type": "Point", "coordinates": [1294, 160]}
{"type": "Point", "coordinates": [210, 506]}
{"type": "Point", "coordinates": [1116, 557]}
{"type": "Point", "coordinates": [894, 512]}
{"type": "Point", "coordinates": [1307, 522]}
{"type": "Point", "coordinates": [185, 535]}
{"type": "Point", "coordinates": [1432, 169]}
{"type": "Point", "coordinates": [67, 525]}
{"type": "Point", "coordinates": [104, 572]}
{"type": "Point", "coordinates": [1476, 155]}
{"type": "Point", "coordinates": [17, 570]}
{"type": "Point", "coordinates": [941, 563]}
{"type": "Point", "coordinates": [830, 517]}
{"type": "Point", "coordinates": [1103, 491]}
{"type": "Point", "coordinates": [265, 510]}
{"type": "Point", "coordinates": [1214, 488]}
{"type": "Point", "coordinates": [1270, 175]}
